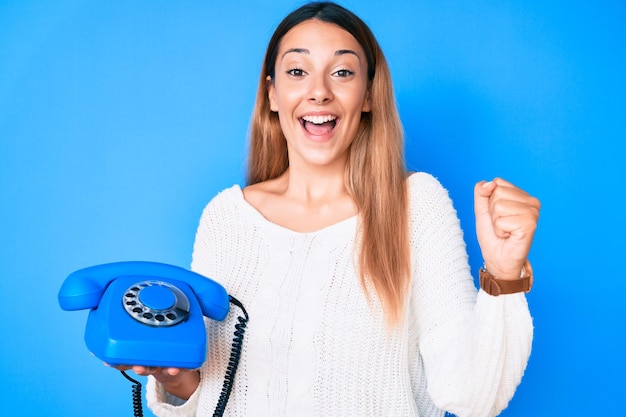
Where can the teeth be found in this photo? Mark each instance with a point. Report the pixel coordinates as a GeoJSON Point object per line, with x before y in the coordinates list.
{"type": "Point", "coordinates": [318, 120]}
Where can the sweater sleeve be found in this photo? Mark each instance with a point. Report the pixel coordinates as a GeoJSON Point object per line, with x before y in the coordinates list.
{"type": "Point", "coordinates": [163, 404]}
{"type": "Point", "coordinates": [474, 347]}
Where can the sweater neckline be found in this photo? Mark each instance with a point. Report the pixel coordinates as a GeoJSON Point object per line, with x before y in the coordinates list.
{"type": "Point", "coordinates": [347, 223]}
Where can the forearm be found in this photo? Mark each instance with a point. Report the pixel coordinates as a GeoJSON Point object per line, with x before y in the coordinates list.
{"type": "Point", "coordinates": [475, 362]}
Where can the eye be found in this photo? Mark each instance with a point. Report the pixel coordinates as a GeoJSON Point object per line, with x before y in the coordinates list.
{"type": "Point", "coordinates": [296, 72]}
{"type": "Point", "coordinates": [343, 73]}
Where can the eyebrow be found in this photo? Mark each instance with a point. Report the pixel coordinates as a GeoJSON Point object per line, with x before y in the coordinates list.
{"type": "Point", "coordinates": [307, 52]}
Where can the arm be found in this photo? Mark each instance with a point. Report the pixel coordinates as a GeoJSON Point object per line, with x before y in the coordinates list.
{"type": "Point", "coordinates": [474, 346]}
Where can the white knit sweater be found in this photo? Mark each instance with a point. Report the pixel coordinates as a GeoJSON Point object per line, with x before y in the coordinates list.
{"type": "Point", "coordinates": [315, 346]}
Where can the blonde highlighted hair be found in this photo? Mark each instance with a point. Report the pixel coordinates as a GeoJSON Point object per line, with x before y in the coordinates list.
{"type": "Point", "coordinates": [375, 173]}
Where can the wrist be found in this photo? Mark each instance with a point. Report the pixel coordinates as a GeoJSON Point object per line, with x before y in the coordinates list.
{"type": "Point", "coordinates": [495, 285]}
{"type": "Point", "coordinates": [505, 274]}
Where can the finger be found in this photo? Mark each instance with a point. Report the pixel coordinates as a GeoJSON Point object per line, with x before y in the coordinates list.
{"type": "Point", "coordinates": [505, 190]}
{"type": "Point", "coordinates": [171, 371]}
{"type": "Point", "coordinates": [527, 210]}
{"type": "Point", "coordinates": [519, 226]}
{"type": "Point", "coordinates": [145, 370]}
{"type": "Point", "coordinates": [153, 370]}
{"type": "Point", "coordinates": [508, 201]}
{"type": "Point", "coordinates": [484, 188]}
{"type": "Point", "coordinates": [502, 182]}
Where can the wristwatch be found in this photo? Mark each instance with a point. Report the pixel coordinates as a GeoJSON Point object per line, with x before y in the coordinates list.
{"type": "Point", "coordinates": [494, 286]}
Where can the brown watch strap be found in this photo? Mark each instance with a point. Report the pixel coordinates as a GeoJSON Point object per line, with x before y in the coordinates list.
{"type": "Point", "coordinates": [494, 286]}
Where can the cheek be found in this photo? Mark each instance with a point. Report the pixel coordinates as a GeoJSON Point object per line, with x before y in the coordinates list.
{"type": "Point", "coordinates": [285, 100]}
{"type": "Point", "coordinates": [355, 101]}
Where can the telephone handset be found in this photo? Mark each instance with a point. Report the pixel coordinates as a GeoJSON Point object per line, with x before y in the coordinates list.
{"type": "Point", "coordinates": [151, 314]}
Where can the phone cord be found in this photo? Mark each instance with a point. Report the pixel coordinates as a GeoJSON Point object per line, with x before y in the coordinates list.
{"type": "Point", "coordinates": [137, 406]}
{"type": "Point", "coordinates": [233, 362]}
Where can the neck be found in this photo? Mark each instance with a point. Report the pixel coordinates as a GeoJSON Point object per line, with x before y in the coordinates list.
{"type": "Point", "coordinates": [303, 202]}
{"type": "Point", "coordinates": [307, 187]}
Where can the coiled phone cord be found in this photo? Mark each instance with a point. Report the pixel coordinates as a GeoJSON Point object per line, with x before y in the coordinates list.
{"type": "Point", "coordinates": [233, 362]}
{"type": "Point", "coordinates": [137, 406]}
{"type": "Point", "coordinates": [231, 369]}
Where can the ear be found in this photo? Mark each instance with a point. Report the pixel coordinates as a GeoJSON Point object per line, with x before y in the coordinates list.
{"type": "Point", "coordinates": [367, 103]}
{"type": "Point", "coordinates": [271, 94]}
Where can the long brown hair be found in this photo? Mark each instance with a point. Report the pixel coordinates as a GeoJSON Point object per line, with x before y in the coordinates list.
{"type": "Point", "coordinates": [375, 173]}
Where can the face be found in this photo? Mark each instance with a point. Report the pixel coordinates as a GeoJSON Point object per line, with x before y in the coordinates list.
{"type": "Point", "coordinates": [319, 91]}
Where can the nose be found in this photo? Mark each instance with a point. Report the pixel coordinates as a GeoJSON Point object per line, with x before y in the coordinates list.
{"type": "Point", "coordinates": [320, 92]}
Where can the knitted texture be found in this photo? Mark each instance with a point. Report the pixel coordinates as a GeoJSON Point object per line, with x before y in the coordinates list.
{"type": "Point", "coordinates": [317, 346]}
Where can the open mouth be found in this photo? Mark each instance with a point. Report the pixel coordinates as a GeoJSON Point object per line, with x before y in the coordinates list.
{"type": "Point", "coordinates": [319, 125]}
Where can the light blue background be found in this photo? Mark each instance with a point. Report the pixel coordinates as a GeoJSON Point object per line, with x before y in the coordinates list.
{"type": "Point", "coordinates": [119, 120]}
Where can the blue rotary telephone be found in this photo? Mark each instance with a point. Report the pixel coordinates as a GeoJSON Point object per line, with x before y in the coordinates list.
{"type": "Point", "coordinates": [150, 314]}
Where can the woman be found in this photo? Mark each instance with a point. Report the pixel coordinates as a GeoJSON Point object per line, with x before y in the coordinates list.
{"type": "Point", "coordinates": [354, 272]}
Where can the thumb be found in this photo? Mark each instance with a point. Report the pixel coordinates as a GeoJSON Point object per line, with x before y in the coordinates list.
{"type": "Point", "coordinates": [482, 194]}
